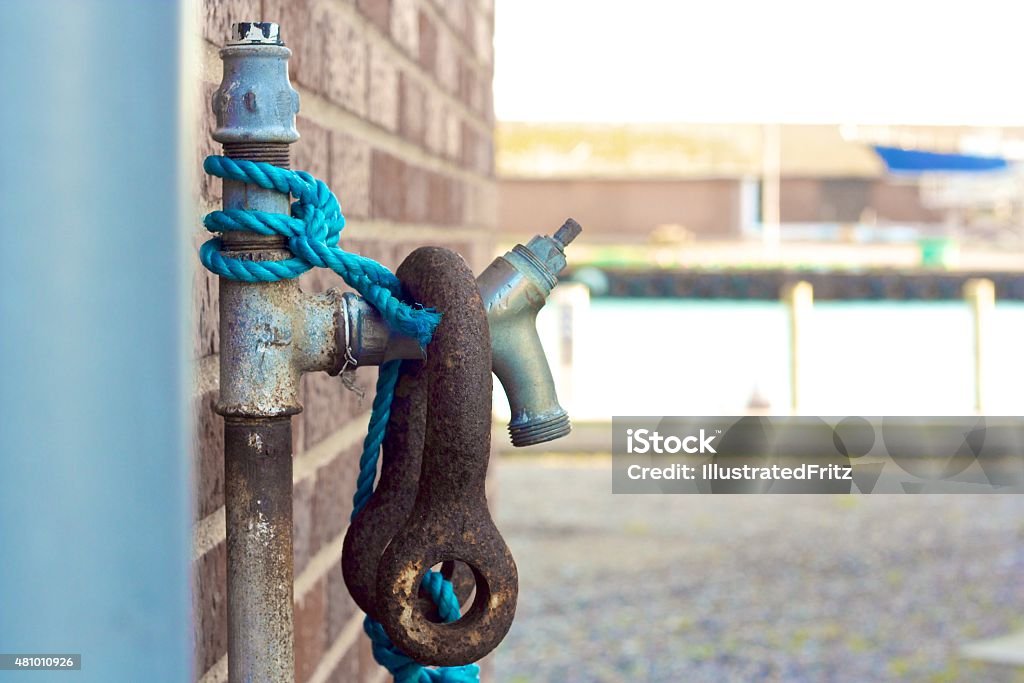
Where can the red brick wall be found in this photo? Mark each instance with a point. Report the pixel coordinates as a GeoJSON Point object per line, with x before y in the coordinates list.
{"type": "Point", "coordinates": [396, 115]}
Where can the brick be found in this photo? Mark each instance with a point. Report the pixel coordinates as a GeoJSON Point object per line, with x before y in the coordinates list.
{"type": "Point", "coordinates": [457, 203]}
{"type": "Point", "coordinates": [434, 119]}
{"type": "Point", "coordinates": [383, 94]}
{"type": "Point", "coordinates": [478, 94]}
{"type": "Point", "coordinates": [387, 180]}
{"type": "Point", "coordinates": [455, 13]}
{"type": "Point", "coordinates": [444, 200]}
{"type": "Point", "coordinates": [428, 42]}
{"type": "Point", "coordinates": [209, 607]}
{"type": "Point", "coordinates": [405, 29]}
{"type": "Point", "coordinates": [412, 125]}
{"type": "Point", "coordinates": [332, 495]}
{"type": "Point", "coordinates": [486, 157]}
{"type": "Point", "coordinates": [347, 669]}
{"type": "Point", "coordinates": [205, 306]}
{"type": "Point", "coordinates": [341, 609]}
{"type": "Point", "coordinates": [218, 15]}
{"type": "Point", "coordinates": [488, 88]}
{"type": "Point", "coordinates": [481, 202]}
{"type": "Point", "coordinates": [302, 524]}
{"type": "Point", "coordinates": [469, 88]}
{"type": "Point", "coordinates": [453, 135]}
{"type": "Point", "coordinates": [481, 95]}
{"type": "Point", "coordinates": [207, 454]}
{"type": "Point", "coordinates": [325, 405]}
{"type": "Point", "coordinates": [480, 34]}
{"type": "Point", "coordinates": [469, 146]}
{"type": "Point", "coordinates": [350, 174]}
{"type": "Point", "coordinates": [477, 152]}
{"type": "Point", "coordinates": [344, 59]}
{"type": "Point", "coordinates": [209, 188]}
{"type": "Point", "coordinates": [483, 255]}
{"type": "Point", "coordinates": [447, 63]}
{"type": "Point", "coordinates": [377, 11]}
{"type": "Point", "coordinates": [368, 666]}
{"type": "Point", "coordinates": [417, 195]}
{"type": "Point", "coordinates": [312, 152]}
{"type": "Point", "coordinates": [309, 632]}
{"type": "Point", "coordinates": [437, 205]}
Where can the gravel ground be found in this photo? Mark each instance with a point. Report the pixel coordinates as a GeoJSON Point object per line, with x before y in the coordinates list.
{"type": "Point", "coordinates": [751, 588]}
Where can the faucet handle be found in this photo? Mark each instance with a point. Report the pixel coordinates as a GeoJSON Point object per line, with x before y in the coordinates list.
{"type": "Point", "coordinates": [568, 232]}
{"type": "Point", "coordinates": [546, 255]}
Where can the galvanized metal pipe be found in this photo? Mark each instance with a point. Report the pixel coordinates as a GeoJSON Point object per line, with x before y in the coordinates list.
{"type": "Point", "coordinates": [258, 505]}
{"type": "Point", "coordinates": [255, 108]}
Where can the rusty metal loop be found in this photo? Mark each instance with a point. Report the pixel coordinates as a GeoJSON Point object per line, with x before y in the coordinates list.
{"type": "Point", "coordinates": [449, 519]}
{"type": "Point", "coordinates": [372, 529]}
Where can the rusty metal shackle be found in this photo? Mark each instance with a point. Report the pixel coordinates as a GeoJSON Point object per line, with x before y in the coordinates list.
{"type": "Point", "coordinates": [449, 520]}
{"type": "Point", "coordinates": [373, 528]}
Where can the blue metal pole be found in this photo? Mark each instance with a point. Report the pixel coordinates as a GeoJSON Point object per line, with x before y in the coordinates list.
{"type": "Point", "coordinates": [94, 522]}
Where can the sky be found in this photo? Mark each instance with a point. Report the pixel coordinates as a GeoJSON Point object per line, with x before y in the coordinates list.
{"type": "Point", "coordinates": [784, 61]}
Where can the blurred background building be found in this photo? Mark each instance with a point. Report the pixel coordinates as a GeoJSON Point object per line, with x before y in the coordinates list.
{"type": "Point", "coordinates": [699, 184]}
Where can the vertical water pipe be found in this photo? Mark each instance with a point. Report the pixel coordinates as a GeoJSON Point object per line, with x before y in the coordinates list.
{"type": "Point", "coordinates": [255, 109]}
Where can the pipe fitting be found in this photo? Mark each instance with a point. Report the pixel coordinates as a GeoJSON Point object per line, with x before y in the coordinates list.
{"type": "Point", "coordinates": [255, 103]}
{"type": "Point", "coordinates": [271, 334]}
{"type": "Point", "coordinates": [261, 324]}
{"type": "Point", "coordinates": [365, 339]}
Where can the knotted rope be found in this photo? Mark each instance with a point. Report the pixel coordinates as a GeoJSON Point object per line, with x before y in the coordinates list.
{"type": "Point", "coordinates": [313, 230]}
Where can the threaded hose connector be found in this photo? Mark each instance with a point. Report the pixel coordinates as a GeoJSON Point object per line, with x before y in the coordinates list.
{"type": "Point", "coordinates": [539, 431]}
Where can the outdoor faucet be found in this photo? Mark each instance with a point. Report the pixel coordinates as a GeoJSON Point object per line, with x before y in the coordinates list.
{"type": "Point", "coordinates": [513, 288]}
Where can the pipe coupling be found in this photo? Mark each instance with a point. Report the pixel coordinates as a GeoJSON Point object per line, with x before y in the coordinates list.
{"type": "Point", "coordinates": [255, 102]}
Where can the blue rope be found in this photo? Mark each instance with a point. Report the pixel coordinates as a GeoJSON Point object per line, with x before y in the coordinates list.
{"type": "Point", "coordinates": [312, 230]}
